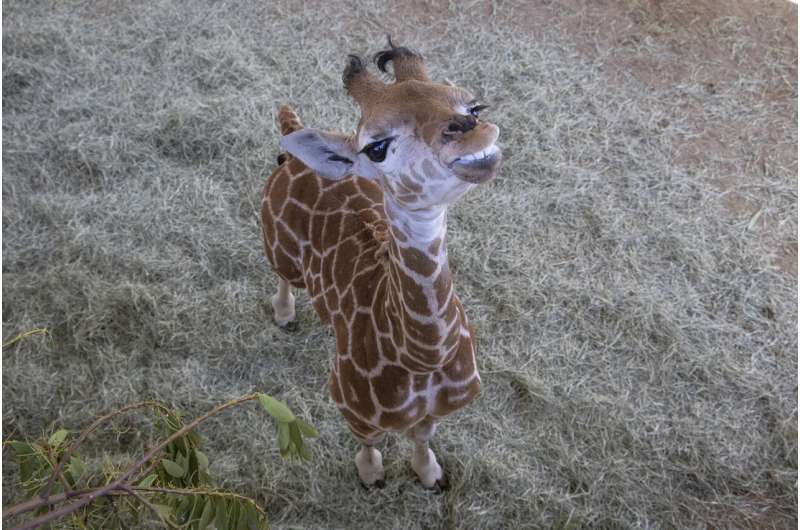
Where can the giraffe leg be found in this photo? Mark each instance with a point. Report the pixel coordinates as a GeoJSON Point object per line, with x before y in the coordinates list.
{"type": "Point", "coordinates": [423, 461]}
{"type": "Point", "coordinates": [283, 306]}
{"type": "Point", "coordinates": [369, 461]}
{"type": "Point", "coordinates": [370, 466]}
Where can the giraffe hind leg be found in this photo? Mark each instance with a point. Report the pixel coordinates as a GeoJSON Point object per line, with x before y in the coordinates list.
{"type": "Point", "coordinates": [283, 306]}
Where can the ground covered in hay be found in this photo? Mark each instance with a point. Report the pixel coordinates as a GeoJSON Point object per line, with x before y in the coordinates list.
{"type": "Point", "coordinates": [630, 273]}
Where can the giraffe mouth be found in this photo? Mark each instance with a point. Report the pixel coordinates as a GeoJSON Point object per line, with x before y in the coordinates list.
{"type": "Point", "coordinates": [479, 166]}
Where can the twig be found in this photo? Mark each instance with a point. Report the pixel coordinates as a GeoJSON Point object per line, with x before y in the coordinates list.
{"type": "Point", "coordinates": [83, 501]}
{"type": "Point", "coordinates": [26, 334]}
{"type": "Point", "coordinates": [52, 459]}
{"type": "Point", "coordinates": [141, 476]}
{"type": "Point", "coordinates": [38, 502]}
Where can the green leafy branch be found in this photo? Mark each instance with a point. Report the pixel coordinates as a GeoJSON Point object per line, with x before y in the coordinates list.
{"type": "Point", "coordinates": [171, 479]}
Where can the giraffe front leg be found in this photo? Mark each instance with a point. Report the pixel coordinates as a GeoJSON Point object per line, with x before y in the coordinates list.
{"type": "Point", "coordinates": [369, 461]}
{"type": "Point", "coordinates": [283, 306]}
{"type": "Point", "coordinates": [423, 461]}
{"type": "Point", "coordinates": [370, 466]}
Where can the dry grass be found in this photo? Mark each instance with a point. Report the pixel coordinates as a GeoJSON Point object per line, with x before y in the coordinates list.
{"type": "Point", "coordinates": [638, 349]}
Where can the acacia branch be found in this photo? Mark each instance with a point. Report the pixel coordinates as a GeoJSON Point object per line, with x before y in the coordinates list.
{"type": "Point", "coordinates": [120, 483]}
{"type": "Point", "coordinates": [86, 432]}
{"type": "Point", "coordinates": [38, 502]}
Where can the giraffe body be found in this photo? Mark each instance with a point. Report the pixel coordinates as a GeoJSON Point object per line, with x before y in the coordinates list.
{"type": "Point", "coordinates": [330, 237]}
{"type": "Point", "coordinates": [370, 251]}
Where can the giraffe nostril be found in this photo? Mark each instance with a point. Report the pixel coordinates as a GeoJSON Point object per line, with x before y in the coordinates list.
{"type": "Point", "coordinates": [461, 124]}
{"type": "Point", "coordinates": [469, 123]}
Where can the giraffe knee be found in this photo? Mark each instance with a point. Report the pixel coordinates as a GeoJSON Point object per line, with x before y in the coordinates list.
{"type": "Point", "coordinates": [368, 437]}
{"type": "Point", "coordinates": [423, 431]}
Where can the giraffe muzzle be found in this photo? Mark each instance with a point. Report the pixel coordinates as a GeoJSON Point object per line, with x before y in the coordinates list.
{"type": "Point", "coordinates": [478, 167]}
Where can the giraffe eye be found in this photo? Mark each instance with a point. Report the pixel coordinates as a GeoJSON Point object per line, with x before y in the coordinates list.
{"type": "Point", "coordinates": [376, 151]}
{"type": "Point", "coordinates": [477, 109]}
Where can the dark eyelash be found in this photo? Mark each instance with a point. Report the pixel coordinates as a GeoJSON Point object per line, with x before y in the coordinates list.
{"type": "Point", "coordinates": [477, 108]}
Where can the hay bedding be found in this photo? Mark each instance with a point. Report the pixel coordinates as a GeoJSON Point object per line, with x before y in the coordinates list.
{"type": "Point", "coordinates": [638, 349]}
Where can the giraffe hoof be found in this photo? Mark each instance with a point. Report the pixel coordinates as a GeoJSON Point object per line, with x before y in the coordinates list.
{"type": "Point", "coordinates": [378, 484]}
{"type": "Point", "coordinates": [290, 326]}
{"type": "Point", "coordinates": [441, 485]}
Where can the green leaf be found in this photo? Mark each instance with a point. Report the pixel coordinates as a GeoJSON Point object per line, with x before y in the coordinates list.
{"type": "Point", "coordinates": [241, 523]}
{"type": "Point", "coordinates": [173, 468]}
{"type": "Point", "coordinates": [305, 452]}
{"type": "Point", "coordinates": [163, 510]}
{"type": "Point", "coordinates": [29, 461]}
{"type": "Point", "coordinates": [197, 510]}
{"type": "Point", "coordinates": [276, 409]}
{"type": "Point", "coordinates": [297, 438]}
{"type": "Point", "coordinates": [251, 516]}
{"type": "Point", "coordinates": [76, 468]}
{"type": "Point", "coordinates": [307, 429]}
{"type": "Point", "coordinates": [283, 436]}
{"type": "Point", "coordinates": [22, 448]}
{"type": "Point", "coordinates": [205, 517]}
{"type": "Point", "coordinates": [148, 481]}
{"type": "Point", "coordinates": [202, 459]}
{"type": "Point", "coordinates": [58, 437]}
{"type": "Point", "coordinates": [233, 517]}
{"type": "Point", "coordinates": [182, 461]}
{"type": "Point", "coordinates": [183, 510]}
{"type": "Point", "coordinates": [220, 513]}
{"type": "Point", "coordinates": [193, 438]}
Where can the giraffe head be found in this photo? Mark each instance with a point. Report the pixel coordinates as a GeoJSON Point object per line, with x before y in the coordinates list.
{"type": "Point", "coordinates": [423, 142]}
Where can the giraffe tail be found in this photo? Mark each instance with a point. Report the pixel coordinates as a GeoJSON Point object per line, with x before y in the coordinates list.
{"type": "Point", "coordinates": [288, 121]}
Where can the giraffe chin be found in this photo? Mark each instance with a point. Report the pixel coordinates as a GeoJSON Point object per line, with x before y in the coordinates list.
{"type": "Point", "coordinates": [479, 170]}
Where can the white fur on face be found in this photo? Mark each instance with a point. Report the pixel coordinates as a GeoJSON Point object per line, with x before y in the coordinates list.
{"type": "Point", "coordinates": [414, 176]}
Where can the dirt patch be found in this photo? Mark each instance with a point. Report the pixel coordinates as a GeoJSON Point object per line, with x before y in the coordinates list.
{"type": "Point", "coordinates": [725, 72]}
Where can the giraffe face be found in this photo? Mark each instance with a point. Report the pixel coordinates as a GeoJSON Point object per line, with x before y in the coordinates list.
{"type": "Point", "coordinates": [422, 141]}
{"type": "Point", "coordinates": [426, 143]}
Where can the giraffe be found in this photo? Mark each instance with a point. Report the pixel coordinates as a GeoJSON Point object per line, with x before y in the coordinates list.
{"type": "Point", "coordinates": [359, 221]}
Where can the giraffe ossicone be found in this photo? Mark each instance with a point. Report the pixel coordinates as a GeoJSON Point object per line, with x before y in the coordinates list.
{"type": "Point", "coordinates": [360, 221]}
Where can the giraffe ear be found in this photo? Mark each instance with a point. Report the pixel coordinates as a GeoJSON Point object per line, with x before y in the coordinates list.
{"type": "Point", "coordinates": [328, 153]}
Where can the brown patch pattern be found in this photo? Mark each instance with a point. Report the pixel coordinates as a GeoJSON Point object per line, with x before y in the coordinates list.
{"type": "Point", "coordinates": [404, 349]}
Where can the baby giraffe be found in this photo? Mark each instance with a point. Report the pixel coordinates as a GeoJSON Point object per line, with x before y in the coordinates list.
{"type": "Point", "coordinates": [360, 222]}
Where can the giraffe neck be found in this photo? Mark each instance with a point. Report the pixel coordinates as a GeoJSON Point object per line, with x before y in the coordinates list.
{"type": "Point", "coordinates": [421, 305]}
